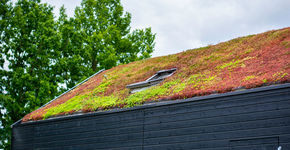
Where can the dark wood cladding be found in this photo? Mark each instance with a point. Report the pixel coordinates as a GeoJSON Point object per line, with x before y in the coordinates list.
{"type": "Point", "coordinates": [252, 119]}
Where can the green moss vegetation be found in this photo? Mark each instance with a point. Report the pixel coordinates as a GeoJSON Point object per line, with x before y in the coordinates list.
{"type": "Point", "coordinates": [280, 34]}
{"type": "Point", "coordinates": [279, 75]}
{"type": "Point", "coordinates": [249, 77]}
{"type": "Point", "coordinates": [148, 94]}
{"type": "Point", "coordinates": [286, 44]}
{"type": "Point", "coordinates": [213, 57]}
{"type": "Point", "coordinates": [230, 65]}
{"type": "Point", "coordinates": [248, 62]}
{"type": "Point", "coordinates": [249, 51]}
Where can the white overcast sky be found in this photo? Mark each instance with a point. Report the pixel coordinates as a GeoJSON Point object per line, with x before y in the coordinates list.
{"type": "Point", "coordinates": [187, 24]}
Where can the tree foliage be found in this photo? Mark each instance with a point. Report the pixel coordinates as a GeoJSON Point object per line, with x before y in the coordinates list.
{"type": "Point", "coordinates": [29, 46]}
{"type": "Point", "coordinates": [100, 36]}
{"type": "Point", "coordinates": [39, 52]}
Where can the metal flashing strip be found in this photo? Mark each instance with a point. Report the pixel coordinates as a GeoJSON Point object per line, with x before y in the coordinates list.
{"type": "Point", "coordinates": [63, 93]}
{"type": "Point", "coordinates": [170, 102]}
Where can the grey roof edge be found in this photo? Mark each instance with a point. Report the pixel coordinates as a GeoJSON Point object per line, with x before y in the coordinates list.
{"type": "Point", "coordinates": [17, 122]}
{"type": "Point", "coordinates": [162, 103]}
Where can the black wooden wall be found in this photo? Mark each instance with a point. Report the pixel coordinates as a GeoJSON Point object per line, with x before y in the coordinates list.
{"type": "Point", "coordinates": [255, 119]}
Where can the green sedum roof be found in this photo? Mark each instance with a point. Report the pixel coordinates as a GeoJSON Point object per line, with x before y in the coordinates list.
{"type": "Point", "coordinates": [245, 62]}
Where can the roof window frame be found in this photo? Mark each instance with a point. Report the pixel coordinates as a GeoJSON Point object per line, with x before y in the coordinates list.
{"type": "Point", "coordinates": [157, 78]}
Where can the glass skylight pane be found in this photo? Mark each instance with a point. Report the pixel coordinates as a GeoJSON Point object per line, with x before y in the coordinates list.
{"type": "Point", "coordinates": [152, 81]}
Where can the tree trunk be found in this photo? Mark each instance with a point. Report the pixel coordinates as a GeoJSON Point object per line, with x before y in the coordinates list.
{"type": "Point", "coordinates": [94, 64]}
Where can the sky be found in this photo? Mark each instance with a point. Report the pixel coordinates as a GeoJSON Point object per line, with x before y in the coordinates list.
{"type": "Point", "coordinates": [186, 24]}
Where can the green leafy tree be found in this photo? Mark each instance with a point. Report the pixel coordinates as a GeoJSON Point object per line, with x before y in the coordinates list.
{"type": "Point", "coordinates": [5, 8]}
{"type": "Point", "coordinates": [30, 47]}
{"type": "Point", "coordinates": [39, 53]}
{"type": "Point", "coordinates": [102, 37]}
{"type": "Point", "coordinates": [73, 66]}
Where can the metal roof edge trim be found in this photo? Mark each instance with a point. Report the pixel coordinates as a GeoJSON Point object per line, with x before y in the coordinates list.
{"type": "Point", "coordinates": [158, 104]}
{"type": "Point", "coordinates": [63, 94]}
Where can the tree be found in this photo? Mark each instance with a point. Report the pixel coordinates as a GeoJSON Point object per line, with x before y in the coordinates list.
{"type": "Point", "coordinates": [5, 8]}
{"type": "Point", "coordinates": [30, 47]}
{"type": "Point", "coordinates": [41, 53]}
{"type": "Point", "coordinates": [100, 35]}
{"type": "Point", "coordinates": [71, 62]}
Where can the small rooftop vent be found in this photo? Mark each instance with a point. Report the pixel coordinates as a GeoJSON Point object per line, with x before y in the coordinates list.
{"type": "Point", "coordinates": [154, 80]}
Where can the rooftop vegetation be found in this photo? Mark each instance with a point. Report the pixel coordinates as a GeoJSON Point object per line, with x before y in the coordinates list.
{"type": "Point", "coordinates": [242, 63]}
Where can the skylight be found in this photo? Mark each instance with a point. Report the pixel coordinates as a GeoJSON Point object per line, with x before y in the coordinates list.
{"type": "Point", "coordinates": [152, 81]}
